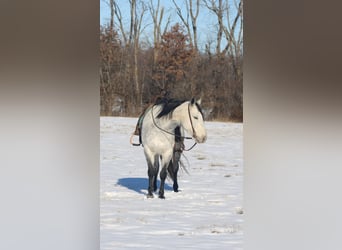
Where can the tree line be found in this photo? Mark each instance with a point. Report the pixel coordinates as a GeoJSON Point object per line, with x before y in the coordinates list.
{"type": "Point", "coordinates": [133, 72]}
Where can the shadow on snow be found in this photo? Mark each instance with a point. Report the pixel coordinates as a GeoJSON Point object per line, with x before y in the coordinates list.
{"type": "Point", "coordinates": [139, 184]}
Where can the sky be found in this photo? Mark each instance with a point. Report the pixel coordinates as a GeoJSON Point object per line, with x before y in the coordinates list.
{"type": "Point", "coordinates": [206, 21]}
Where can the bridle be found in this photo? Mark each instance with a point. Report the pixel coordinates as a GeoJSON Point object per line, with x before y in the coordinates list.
{"type": "Point", "coordinates": [192, 126]}
{"type": "Point", "coordinates": [179, 136]}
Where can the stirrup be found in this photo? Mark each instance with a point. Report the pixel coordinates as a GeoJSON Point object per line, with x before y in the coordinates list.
{"type": "Point", "coordinates": [131, 141]}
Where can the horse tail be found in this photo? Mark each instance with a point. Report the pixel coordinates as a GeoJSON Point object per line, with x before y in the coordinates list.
{"type": "Point", "coordinates": [181, 165]}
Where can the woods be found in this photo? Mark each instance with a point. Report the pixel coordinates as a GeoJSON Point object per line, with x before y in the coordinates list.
{"type": "Point", "coordinates": [133, 71]}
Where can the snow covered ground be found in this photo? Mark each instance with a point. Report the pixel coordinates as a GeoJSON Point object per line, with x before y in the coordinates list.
{"type": "Point", "coordinates": [207, 213]}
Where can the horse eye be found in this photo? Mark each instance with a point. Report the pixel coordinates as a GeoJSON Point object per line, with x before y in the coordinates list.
{"type": "Point", "coordinates": [196, 117]}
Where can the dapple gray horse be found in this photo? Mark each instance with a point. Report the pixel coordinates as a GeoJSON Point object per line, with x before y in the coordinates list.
{"type": "Point", "coordinates": [158, 136]}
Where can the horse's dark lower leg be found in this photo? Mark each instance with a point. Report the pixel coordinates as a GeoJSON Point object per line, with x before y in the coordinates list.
{"type": "Point", "coordinates": [173, 171]}
{"type": "Point", "coordinates": [156, 166]}
{"type": "Point", "coordinates": [176, 158]}
{"type": "Point", "coordinates": [163, 175]}
{"type": "Point", "coordinates": [150, 182]}
{"type": "Point", "coordinates": [175, 182]}
{"type": "Point", "coordinates": [152, 177]}
{"type": "Point", "coordinates": [155, 181]}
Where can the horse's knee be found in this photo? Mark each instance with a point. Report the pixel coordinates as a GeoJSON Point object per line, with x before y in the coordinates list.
{"type": "Point", "coordinates": [163, 173]}
{"type": "Point", "coordinates": [153, 169]}
{"type": "Point", "coordinates": [151, 172]}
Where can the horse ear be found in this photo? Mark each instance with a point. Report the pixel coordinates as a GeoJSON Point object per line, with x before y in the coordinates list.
{"type": "Point", "coordinates": [193, 101]}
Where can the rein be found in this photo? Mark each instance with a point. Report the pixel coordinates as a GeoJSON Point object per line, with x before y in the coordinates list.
{"type": "Point", "coordinates": [179, 136]}
{"type": "Point", "coordinates": [190, 147]}
{"type": "Point", "coordinates": [192, 126]}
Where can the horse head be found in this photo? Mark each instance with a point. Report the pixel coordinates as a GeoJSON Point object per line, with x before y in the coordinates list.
{"type": "Point", "coordinates": [196, 121]}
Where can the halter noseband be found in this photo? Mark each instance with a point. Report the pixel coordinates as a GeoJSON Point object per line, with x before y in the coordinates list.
{"type": "Point", "coordinates": [192, 126]}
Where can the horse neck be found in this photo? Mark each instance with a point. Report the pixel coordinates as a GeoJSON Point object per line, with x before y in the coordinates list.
{"type": "Point", "coordinates": [164, 123]}
{"type": "Point", "coordinates": [180, 114]}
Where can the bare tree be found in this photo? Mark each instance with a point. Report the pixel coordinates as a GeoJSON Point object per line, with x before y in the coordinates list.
{"type": "Point", "coordinates": [192, 14]}
{"type": "Point", "coordinates": [131, 41]}
{"type": "Point", "coordinates": [194, 21]}
{"type": "Point", "coordinates": [117, 12]}
{"type": "Point", "coordinates": [134, 36]}
{"type": "Point", "coordinates": [233, 43]}
{"type": "Point", "coordinates": [133, 8]}
{"type": "Point", "coordinates": [222, 10]}
{"type": "Point", "coordinates": [218, 9]}
{"type": "Point", "coordinates": [157, 14]}
{"type": "Point", "coordinates": [185, 21]}
{"type": "Point", "coordinates": [111, 5]}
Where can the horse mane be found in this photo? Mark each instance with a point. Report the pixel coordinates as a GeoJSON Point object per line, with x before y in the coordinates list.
{"type": "Point", "coordinates": [168, 106]}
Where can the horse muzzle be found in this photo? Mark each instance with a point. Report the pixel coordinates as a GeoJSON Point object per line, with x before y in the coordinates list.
{"type": "Point", "coordinates": [200, 139]}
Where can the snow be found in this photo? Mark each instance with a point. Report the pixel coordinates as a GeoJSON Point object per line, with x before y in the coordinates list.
{"type": "Point", "coordinates": [207, 213]}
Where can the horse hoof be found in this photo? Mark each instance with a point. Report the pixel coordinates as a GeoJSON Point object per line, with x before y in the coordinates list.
{"type": "Point", "coordinates": [149, 196]}
{"type": "Point", "coordinates": [161, 197]}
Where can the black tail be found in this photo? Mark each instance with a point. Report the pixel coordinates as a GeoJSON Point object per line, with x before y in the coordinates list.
{"type": "Point", "coordinates": [171, 171]}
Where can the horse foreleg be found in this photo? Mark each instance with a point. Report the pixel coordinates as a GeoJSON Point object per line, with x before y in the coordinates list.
{"type": "Point", "coordinates": [163, 175]}
{"type": "Point", "coordinates": [175, 182]}
{"type": "Point", "coordinates": [175, 163]}
{"type": "Point", "coordinates": [155, 179]}
{"type": "Point", "coordinates": [150, 182]}
{"type": "Point", "coordinates": [156, 168]}
{"type": "Point", "coordinates": [153, 169]}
